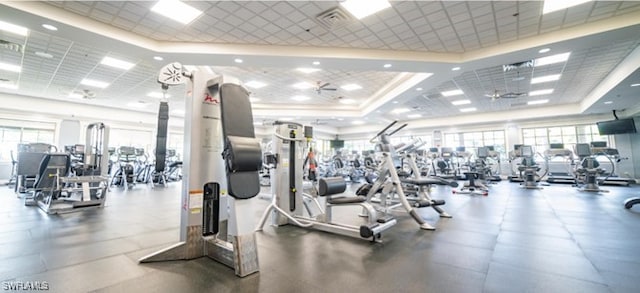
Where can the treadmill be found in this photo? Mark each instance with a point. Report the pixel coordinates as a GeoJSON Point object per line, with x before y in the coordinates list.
{"type": "Point", "coordinates": [599, 148]}
{"type": "Point", "coordinates": [557, 175]}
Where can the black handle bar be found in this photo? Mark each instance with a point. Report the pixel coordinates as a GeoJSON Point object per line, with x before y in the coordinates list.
{"type": "Point", "coordinates": [382, 131]}
{"type": "Point", "coordinates": [399, 128]}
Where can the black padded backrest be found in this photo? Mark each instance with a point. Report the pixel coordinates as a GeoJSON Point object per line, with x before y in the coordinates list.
{"type": "Point", "coordinates": [331, 185]}
{"type": "Point", "coordinates": [161, 137]}
{"type": "Point", "coordinates": [28, 163]}
{"type": "Point", "coordinates": [51, 165]}
{"type": "Point", "coordinates": [242, 151]}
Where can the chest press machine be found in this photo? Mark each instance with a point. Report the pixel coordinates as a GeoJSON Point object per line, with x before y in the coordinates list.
{"type": "Point", "coordinates": [221, 163]}
{"type": "Point", "coordinates": [289, 202]}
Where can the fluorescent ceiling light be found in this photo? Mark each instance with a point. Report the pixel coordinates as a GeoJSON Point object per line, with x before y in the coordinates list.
{"type": "Point", "coordinates": [357, 122]}
{"type": "Point", "coordinates": [464, 110]}
{"type": "Point", "coordinates": [418, 89]}
{"type": "Point", "coordinates": [116, 63]}
{"type": "Point", "coordinates": [49, 27]}
{"type": "Point", "coordinates": [158, 58]}
{"type": "Point", "coordinates": [540, 92]}
{"type": "Point", "coordinates": [253, 100]}
{"type": "Point", "coordinates": [551, 59]}
{"type": "Point", "coordinates": [300, 98]}
{"type": "Point", "coordinates": [347, 101]}
{"type": "Point", "coordinates": [608, 102]}
{"type": "Point", "coordinates": [255, 84]}
{"type": "Point", "coordinates": [302, 85]}
{"type": "Point", "coordinates": [537, 102]}
{"type": "Point", "coordinates": [176, 10]}
{"type": "Point", "coordinates": [395, 102]}
{"type": "Point", "coordinates": [307, 70]}
{"type": "Point", "coordinates": [455, 68]}
{"type": "Point", "coordinates": [386, 65]}
{"type": "Point", "coordinates": [363, 8]}
{"type": "Point", "coordinates": [546, 78]}
{"type": "Point", "coordinates": [544, 50]}
{"type": "Point", "coordinates": [316, 62]}
{"type": "Point", "coordinates": [157, 95]}
{"type": "Point", "coordinates": [452, 93]}
{"type": "Point", "coordinates": [635, 84]}
{"type": "Point", "coordinates": [12, 28]}
{"type": "Point", "coordinates": [10, 67]}
{"type": "Point", "coordinates": [461, 102]}
{"type": "Point", "coordinates": [238, 60]}
{"type": "Point", "coordinates": [555, 5]}
{"type": "Point", "coordinates": [400, 110]}
{"type": "Point", "coordinates": [94, 83]}
{"type": "Point", "coordinates": [75, 96]}
{"type": "Point", "coordinates": [43, 54]}
{"type": "Point", "coordinates": [351, 87]}
{"type": "Point", "coordinates": [414, 116]}
{"type": "Point", "coordinates": [10, 86]}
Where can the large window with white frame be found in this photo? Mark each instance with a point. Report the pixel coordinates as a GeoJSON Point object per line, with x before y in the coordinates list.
{"type": "Point", "coordinates": [11, 136]}
{"type": "Point", "coordinates": [472, 140]}
{"type": "Point", "coordinates": [569, 135]}
{"type": "Point", "coordinates": [131, 137]}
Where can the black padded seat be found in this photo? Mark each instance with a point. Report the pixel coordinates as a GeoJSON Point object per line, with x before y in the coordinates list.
{"type": "Point", "coordinates": [346, 200]}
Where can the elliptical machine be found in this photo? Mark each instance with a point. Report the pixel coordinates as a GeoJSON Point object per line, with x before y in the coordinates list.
{"type": "Point", "coordinates": [529, 168]}
{"type": "Point", "coordinates": [588, 170]}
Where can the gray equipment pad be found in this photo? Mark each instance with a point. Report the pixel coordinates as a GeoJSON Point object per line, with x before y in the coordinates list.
{"type": "Point", "coordinates": [331, 185]}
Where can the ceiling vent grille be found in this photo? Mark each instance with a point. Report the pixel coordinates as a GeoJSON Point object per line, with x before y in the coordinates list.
{"type": "Point", "coordinates": [334, 18]}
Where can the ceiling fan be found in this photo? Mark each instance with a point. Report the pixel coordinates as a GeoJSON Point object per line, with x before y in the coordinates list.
{"type": "Point", "coordinates": [323, 87]}
{"type": "Point", "coordinates": [510, 95]}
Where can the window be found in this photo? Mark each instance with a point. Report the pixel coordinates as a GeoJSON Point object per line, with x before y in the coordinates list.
{"type": "Point", "coordinates": [176, 141]}
{"type": "Point", "coordinates": [129, 137]}
{"type": "Point", "coordinates": [11, 136]}
{"type": "Point", "coordinates": [540, 138]}
{"type": "Point", "coordinates": [472, 140]}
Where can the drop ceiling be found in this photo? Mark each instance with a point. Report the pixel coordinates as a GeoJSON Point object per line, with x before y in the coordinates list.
{"type": "Point", "coordinates": [422, 40]}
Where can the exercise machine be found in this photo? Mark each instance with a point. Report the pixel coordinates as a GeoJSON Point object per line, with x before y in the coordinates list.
{"type": "Point", "coordinates": [609, 177]}
{"type": "Point", "coordinates": [529, 168]}
{"type": "Point", "coordinates": [477, 176]}
{"type": "Point", "coordinates": [55, 192]}
{"type": "Point", "coordinates": [556, 155]}
{"type": "Point", "coordinates": [291, 205]}
{"type": "Point", "coordinates": [588, 169]}
{"type": "Point", "coordinates": [27, 166]}
{"type": "Point", "coordinates": [125, 173]}
{"type": "Point", "coordinates": [629, 203]}
{"type": "Point", "coordinates": [388, 190]}
{"type": "Point", "coordinates": [222, 158]}
{"type": "Point", "coordinates": [493, 159]}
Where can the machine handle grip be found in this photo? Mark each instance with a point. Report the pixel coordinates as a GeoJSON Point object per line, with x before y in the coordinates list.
{"type": "Point", "coordinates": [383, 130]}
{"type": "Point", "coordinates": [398, 129]}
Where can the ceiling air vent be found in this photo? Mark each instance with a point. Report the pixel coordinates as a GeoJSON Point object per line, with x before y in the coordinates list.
{"type": "Point", "coordinates": [334, 18]}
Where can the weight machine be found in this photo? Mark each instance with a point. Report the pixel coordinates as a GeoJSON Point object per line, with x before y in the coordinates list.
{"type": "Point", "coordinates": [27, 165]}
{"type": "Point", "coordinates": [55, 192]}
{"type": "Point", "coordinates": [289, 202]}
{"type": "Point", "coordinates": [216, 191]}
{"type": "Point", "coordinates": [388, 187]}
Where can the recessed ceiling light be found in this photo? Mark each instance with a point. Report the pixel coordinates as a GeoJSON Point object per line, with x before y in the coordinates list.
{"type": "Point", "coordinates": [12, 28]}
{"type": "Point", "coordinates": [461, 102]}
{"type": "Point", "coordinates": [386, 65]}
{"type": "Point", "coordinates": [551, 59]}
{"type": "Point", "coordinates": [238, 60]}
{"type": "Point", "coordinates": [300, 98]}
{"type": "Point", "coordinates": [540, 92]}
{"type": "Point", "coordinates": [75, 96]}
{"type": "Point", "coordinates": [302, 85]}
{"type": "Point", "coordinates": [537, 102]}
{"type": "Point", "coordinates": [157, 95]}
{"type": "Point", "coordinates": [94, 83]}
{"type": "Point", "coordinates": [455, 68]}
{"type": "Point", "coordinates": [176, 10]}
{"type": "Point", "coordinates": [452, 93]}
{"type": "Point", "coordinates": [555, 5]}
{"type": "Point", "coordinates": [116, 63]}
{"type": "Point", "coordinates": [395, 102]}
{"type": "Point", "coordinates": [361, 9]}
{"type": "Point", "coordinates": [316, 62]}
{"type": "Point", "coordinates": [545, 50]}
{"type": "Point", "coordinates": [253, 100]}
{"type": "Point", "coordinates": [418, 89]}
{"type": "Point", "coordinates": [464, 110]}
{"type": "Point", "coordinates": [400, 110]}
{"type": "Point", "coordinates": [158, 58]}
{"type": "Point", "coordinates": [412, 116]}
{"type": "Point", "coordinates": [43, 54]}
{"type": "Point", "coordinates": [11, 86]}
{"type": "Point", "coordinates": [635, 84]}
{"type": "Point", "coordinates": [255, 84]}
{"type": "Point", "coordinates": [608, 102]}
{"type": "Point", "coordinates": [351, 87]}
{"type": "Point", "coordinates": [49, 27]}
{"type": "Point", "coordinates": [307, 70]}
{"type": "Point", "coordinates": [357, 122]}
{"type": "Point", "coordinates": [10, 67]}
{"type": "Point", "coordinates": [347, 101]}
{"type": "Point", "coordinates": [546, 78]}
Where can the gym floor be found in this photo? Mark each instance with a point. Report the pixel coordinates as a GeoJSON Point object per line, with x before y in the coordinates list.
{"type": "Point", "coordinates": [552, 240]}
